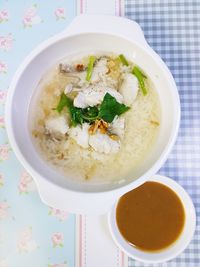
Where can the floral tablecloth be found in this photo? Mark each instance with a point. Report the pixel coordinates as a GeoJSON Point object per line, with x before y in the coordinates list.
{"type": "Point", "coordinates": [31, 234]}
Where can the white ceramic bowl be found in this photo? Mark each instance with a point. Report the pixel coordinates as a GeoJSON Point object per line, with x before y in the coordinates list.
{"type": "Point", "coordinates": [89, 33]}
{"type": "Point", "coordinates": [178, 246]}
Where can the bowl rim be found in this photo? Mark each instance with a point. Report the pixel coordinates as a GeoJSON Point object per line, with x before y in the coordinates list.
{"type": "Point", "coordinates": [185, 199]}
{"type": "Point", "coordinates": [126, 187]}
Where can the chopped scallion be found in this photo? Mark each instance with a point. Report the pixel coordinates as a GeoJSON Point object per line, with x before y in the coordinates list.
{"type": "Point", "coordinates": [140, 76]}
{"type": "Point", "coordinates": [90, 68]}
{"type": "Point", "coordinates": [123, 60]}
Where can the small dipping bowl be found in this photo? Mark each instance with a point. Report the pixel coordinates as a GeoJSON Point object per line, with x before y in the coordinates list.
{"type": "Point", "coordinates": [175, 248]}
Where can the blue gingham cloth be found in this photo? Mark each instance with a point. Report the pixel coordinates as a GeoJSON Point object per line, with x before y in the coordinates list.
{"type": "Point", "coordinates": [172, 28]}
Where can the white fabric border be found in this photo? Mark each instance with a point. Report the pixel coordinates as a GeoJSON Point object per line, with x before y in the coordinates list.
{"type": "Point", "coordinates": [109, 7]}
{"type": "Point", "coordinates": [94, 245]}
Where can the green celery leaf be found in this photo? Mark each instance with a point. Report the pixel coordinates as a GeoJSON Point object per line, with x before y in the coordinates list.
{"type": "Point", "coordinates": [110, 108]}
{"type": "Point", "coordinates": [90, 114]}
{"type": "Point", "coordinates": [63, 102]}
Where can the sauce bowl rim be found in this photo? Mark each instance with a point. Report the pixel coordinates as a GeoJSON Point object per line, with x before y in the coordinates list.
{"type": "Point", "coordinates": [175, 248]}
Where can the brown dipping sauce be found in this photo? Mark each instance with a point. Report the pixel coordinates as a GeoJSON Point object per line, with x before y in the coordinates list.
{"type": "Point", "coordinates": [150, 217]}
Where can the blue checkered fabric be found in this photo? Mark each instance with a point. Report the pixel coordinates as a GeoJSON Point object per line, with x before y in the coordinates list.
{"type": "Point", "coordinates": [172, 28]}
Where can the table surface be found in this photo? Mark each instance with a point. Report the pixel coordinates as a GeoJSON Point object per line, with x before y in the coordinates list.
{"type": "Point", "coordinates": [32, 234]}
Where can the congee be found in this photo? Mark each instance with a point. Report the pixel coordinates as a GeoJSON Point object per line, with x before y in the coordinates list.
{"type": "Point", "coordinates": [95, 117]}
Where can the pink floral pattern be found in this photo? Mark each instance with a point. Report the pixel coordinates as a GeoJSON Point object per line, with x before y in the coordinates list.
{"type": "Point", "coordinates": [6, 42]}
{"type": "Point", "coordinates": [1, 180]}
{"type": "Point", "coordinates": [18, 197]}
{"type": "Point", "coordinates": [3, 263]}
{"type": "Point", "coordinates": [26, 183]}
{"type": "Point", "coordinates": [3, 67]}
{"type": "Point", "coordinates": [57, 239]}
{"type": "Point", "coordinates": [4, 152]}
{"type": "Point", "coordinates": [4, 209]}
{"type": "Point", "coordinates": [57, 265]}
{"type": "Point", "coordinates": [60, 13]}
{"type": "Point", "coordinates": [60, 214]}
{"type": "Point", "coordinates": [31, 17]}
{"type": "Point", "coordinates": [4, 15]}
{"type": "Point", "coordinates": [25, 241]}
{"type": "Point", "coordinates": [3, 96]}
{"type": "Point", "coordinates": [2, 122]}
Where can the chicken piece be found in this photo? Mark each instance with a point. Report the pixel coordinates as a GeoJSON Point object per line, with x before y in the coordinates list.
{"type": "Point", "coordinates": [102, 143]}
{"type": "Point", "coordinates": [129, 88]}
{"type": "Point", "coordinates": [100, 69]}
{"type": "Point", "coordinates": [93, 96]}
{"type": "Point", "coordinates": [80, 134]}
{"type": "Point", "coordinates": [57, 125]}
{"type": "Point", "coordinates": [117, 126]}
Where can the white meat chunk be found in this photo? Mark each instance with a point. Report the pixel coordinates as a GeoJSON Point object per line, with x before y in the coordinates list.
{"type": "Point", "coordinates": [82, 77]}
{"type": "Point", "coordinates": [100, 69]}
{"type": "Point", "coordinates": [117, 126]}
{"type": "Point", "coordinates": [57, 125]}
{"type": "Point", "coordinates": [80, 134]}
{"type": "Point", "coordinates": [93, 96]}
{"type": "Point", "coordinates": [129, 88]}
{"type": "Point", "coordinates": [68, 88]}
{"type": "Point", "coordinates": [102, 143]}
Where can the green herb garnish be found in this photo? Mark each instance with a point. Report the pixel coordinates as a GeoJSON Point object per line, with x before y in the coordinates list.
{"type": "Point", "coordinates": [109, 108]}
{"type": "Point", "coordinates": [90, 68]}
{"type": "Point", "coordinates": [67, 102]}
{"type": "Point", "coordinates": [64, 101]}
{"type": "Point", "coordinates": [107, 111]}
{"type": "Point", "coordinates": [140, 76]}
{"type": "Point", "coordinates": [78, 115]}
{"type": "Point", "coordinates": [90, 114]}
{"type": "Point", "coordinates": [123, 60]}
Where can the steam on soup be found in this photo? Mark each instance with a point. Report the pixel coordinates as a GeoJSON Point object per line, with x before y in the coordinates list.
{"type": "Point", "coordinates": [95, 118]}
